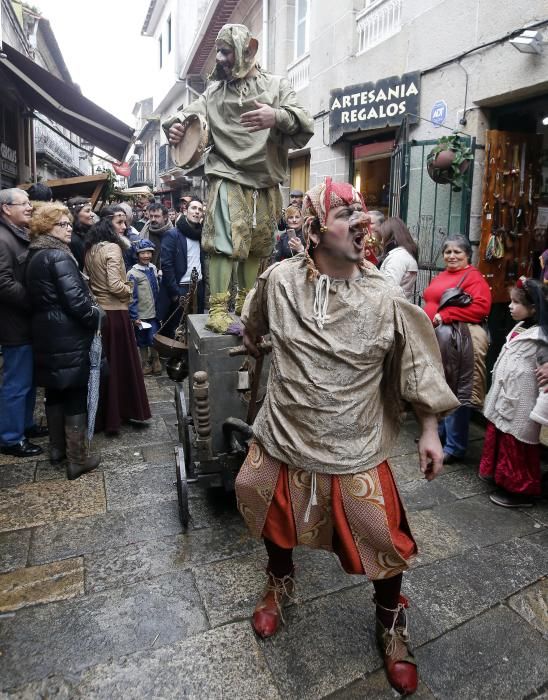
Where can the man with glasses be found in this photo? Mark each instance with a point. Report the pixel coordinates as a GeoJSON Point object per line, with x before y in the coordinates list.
{"type": "Point", "coordinates": [17, 392]}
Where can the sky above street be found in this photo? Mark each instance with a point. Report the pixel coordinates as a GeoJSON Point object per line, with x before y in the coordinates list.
{"type": "Point", "coordinates": [104, 51]}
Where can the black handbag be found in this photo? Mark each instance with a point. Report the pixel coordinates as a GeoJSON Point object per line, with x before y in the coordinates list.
{"type": "Point", "coordinates": [455, 296]}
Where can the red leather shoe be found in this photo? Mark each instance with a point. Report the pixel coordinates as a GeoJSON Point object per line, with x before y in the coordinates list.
{"type": "Point", "coordinates": [268, 612]}
{"type": "Point", "coordinates": [399, 662]}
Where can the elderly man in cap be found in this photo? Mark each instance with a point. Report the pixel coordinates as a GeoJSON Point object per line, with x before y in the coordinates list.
{"type": "Point", "coordinates": [17, 392]}
{"type": "Point", "coordinates": [254, 119]}
{"type": "Point", "coordinates": [348, 351]}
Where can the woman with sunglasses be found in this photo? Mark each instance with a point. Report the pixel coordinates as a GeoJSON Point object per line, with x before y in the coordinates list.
{"type": "Point", "coordinates": [64, 319]}
{"type": "Point", "coordinates": [123, 396]}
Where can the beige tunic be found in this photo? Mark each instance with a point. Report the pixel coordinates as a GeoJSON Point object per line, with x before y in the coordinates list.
{"type": "Point", "coordinates": [257, 159]}
{"type": "Point", "coordinates": [335, 397]}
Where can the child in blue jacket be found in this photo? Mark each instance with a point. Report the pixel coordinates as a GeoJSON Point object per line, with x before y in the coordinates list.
{"type": "Point", "coordinates": [142, 308]}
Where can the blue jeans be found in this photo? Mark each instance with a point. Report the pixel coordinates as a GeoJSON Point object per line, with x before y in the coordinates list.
{"type": "Point", "coordinates": [453, 431]}
{"type": "Point", "coordinates": [17, 394]}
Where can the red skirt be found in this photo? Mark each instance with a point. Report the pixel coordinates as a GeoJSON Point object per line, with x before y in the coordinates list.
{"type": "Point", "coordinates": [514, 465]}
{"type": "Point", "coordinates": [122, 395]}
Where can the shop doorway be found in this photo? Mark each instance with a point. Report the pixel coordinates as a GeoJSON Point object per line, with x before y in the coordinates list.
{"type": "Point", "coordinates": [371, 173]}
{"type": "Point", "coordinates": [514, 221]}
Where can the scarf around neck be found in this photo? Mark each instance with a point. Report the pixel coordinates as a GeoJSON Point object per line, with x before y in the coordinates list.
{"type": "Point", "coordinates": [192, 231]}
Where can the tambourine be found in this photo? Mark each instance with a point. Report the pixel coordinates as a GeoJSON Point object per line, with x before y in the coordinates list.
{"type": "Point", "coordinates": [193, 144]}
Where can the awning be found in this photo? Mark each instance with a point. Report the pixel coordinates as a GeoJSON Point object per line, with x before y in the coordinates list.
{"type": "Point", "coordinates": [90, 186]}
{"type": "Point", "coordinates": [62, 103]}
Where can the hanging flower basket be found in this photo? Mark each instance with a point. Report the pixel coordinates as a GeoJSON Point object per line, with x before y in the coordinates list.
{"type": "Point", "coordinates": [448, 162]}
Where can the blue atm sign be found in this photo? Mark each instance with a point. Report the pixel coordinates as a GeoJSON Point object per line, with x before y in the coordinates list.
{"type": "Point", "coordinates": [439, 112]}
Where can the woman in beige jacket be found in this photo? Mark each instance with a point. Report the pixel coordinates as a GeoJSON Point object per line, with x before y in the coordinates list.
{"type": "Point", "coordinates": [123, 395]}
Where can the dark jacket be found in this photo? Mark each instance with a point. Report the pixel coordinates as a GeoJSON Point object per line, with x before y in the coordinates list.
{"type": "Point", "coordinates": [77, 244]}
{"type": "Point", "coordinates": [282, 251]}
{"type": "Point", "coordinates": [14, 302]}
{"type": "Point", "coordinates": [64, 319]}
{"type": "Point", "coordinates": [174, 267]}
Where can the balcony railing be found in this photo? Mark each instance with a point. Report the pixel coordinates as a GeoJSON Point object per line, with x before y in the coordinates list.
{"type": "Point", "coordinates": [56, 148]}
{"type": "Point", "coordinates": [142, 172]}
{"type": "Point", "coordinates": [298, 73]}
{"type": "Point", "coordinates": [379, 20]}
{"type": "Point", "coordinates": [165, 162]}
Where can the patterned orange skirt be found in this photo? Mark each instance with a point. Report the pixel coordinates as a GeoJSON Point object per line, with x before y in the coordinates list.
{"type": "Point", "coordinates": [360, 517]}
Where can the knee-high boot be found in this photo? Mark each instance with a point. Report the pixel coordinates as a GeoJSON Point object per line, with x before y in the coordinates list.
{"type": "Point", "coordinates": [77, 447]}
{"type": "Point", "coordinates": [56, 427]}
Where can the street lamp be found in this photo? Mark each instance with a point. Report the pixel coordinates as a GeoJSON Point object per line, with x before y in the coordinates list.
{"type": "Point", "coordinates": [528, 41]}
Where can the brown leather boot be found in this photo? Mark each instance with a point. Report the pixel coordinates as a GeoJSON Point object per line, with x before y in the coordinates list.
{"type": "Point", "coordinates": [77, 447]}
{"type": "Point", "coordinates": [399, 662]}
{"type": "Point", "coordinates": [156, 363]}
{"type": "Point", "coordinates": [145, 364]}
{"type": "Point", "coordinates": [268, 612]}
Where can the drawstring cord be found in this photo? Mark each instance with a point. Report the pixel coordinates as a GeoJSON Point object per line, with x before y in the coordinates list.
{"type": "Point", "coordinates": [321, 300]}
{"type": "Point", "coordinates": [313, 501]}
{"type": "Point", "coordinates": [400, 632]}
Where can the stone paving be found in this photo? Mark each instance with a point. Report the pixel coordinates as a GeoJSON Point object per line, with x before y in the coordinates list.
{"type": "Point", "coordinates": [102, 596]}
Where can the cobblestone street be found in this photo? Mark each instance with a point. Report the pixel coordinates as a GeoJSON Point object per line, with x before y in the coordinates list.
{"type": "Point", "coordinates": [101, 596]}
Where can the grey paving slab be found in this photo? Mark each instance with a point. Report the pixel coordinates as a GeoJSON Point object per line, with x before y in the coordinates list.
{"type": "Point", "coordinates": [95, 533]}
{"type": "Point", "coordinates": [14, 549]}
{"type": "Point", "coordinates": [140, 487]}
{"type": "Point", "coordinates": [452, 591]}
{"type": "Point", "coordinates": [156, 453]}
{"type": "Point", "coordinates": [422, 494]}
{"type": "Point", "coordinates": [212, 507]}
{"type": "Point", "coordinates": [114, 567]}
{"type": "Point", "coordinates": [375, 687]}
{"type": "Point", "coordinates": [406, 468]}
{"type": "Point", "coordinates": [52, 688]}
{"type": "Point", "coordinates": [495, 655]}
{"type": "Point", "coordinates": [134, 435]}
{"type": "Point", "coordinates": [532, 604]}
{"type": "Point", "coordinates": [326, 644]}
{"type": "Point", "coordinates": [16, 473]}
{"type": "Point", "coordinates": [231, 588]}
{"type": "Point", "coordinates": [81, 633]}
{"type": "Point", "coordinates": [47, 472]}
{"type": "Point", "coordinates": [482, 522]}
{"type": "Point", "coordinates": [219, 664]}
{"type": "Point", "coordinates": [464, 483]}
{"type": "Point", "coordinates": [539, 511]}
{"type": "Point", "coordinates": [436, 540]}
{"type": "Point", "coordinates": [162, 408]}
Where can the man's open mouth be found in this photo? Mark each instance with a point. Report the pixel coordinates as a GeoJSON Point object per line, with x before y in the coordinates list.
{"type": "Point", "coordinates": [358, 240]}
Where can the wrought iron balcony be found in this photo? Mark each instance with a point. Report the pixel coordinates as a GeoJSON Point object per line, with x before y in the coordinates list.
{"type": "Point", "coordinates": [142, 173]}
{"type": "Point", "coordinates": [165, 162]}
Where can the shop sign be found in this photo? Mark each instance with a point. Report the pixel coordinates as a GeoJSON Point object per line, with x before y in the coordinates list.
{"type": "Point", "coordinates": [8, 159]}
{"type": "Point", "coordinates": [438, 113]}
{"type": "Point", "coordinates": [374, 105]}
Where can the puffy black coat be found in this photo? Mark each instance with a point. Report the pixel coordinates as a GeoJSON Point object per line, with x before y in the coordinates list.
{"type": "Point", "coordinates": [14, 301]}
{"type": "Point", "coordinates": [63, 319]}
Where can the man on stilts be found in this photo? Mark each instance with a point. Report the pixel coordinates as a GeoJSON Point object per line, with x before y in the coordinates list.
{"type": "Point", "coordinates": [348, 352]}
{"type": "Point", "coordinates": [253, 119]}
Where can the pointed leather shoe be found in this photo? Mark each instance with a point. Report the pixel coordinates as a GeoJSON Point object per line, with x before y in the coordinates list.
{"type": "Point", "coordinates": [22, 449]}
{"type": "Point", "coordinates": [268, 614]}
{"type": "Point", "coordinates": [399, 663]}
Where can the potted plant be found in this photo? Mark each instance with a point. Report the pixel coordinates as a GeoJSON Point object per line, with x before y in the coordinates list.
{"type": "Point", "coordinates": [448, 161]}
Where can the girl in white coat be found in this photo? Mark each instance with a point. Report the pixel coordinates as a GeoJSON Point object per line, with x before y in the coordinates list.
{"type": "Point", "coordinates": [514, 408]}
{"type": "Point", "coordinates": [399, 257]}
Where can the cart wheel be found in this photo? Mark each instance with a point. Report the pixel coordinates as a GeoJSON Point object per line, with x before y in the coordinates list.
{"type": "Point", "coordinates": [183, 420]}
{"type": "Point", "coordinates": [182, 487]}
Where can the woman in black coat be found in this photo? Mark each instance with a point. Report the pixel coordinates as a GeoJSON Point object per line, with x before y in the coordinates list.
{"type": "Point", "coordinates": [64, 319]}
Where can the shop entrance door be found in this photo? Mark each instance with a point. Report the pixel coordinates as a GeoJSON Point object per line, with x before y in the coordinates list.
{"type": "Point", "coordinates": [511, 241]}
{"type": "Point", "coordinates": [430, 210]}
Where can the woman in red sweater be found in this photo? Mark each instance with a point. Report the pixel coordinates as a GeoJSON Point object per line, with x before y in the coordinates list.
{"type": "Point", "coordinates": [457, 254]}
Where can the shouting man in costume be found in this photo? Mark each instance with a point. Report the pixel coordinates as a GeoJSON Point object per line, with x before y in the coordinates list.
{"type": "Point", "coordinates": [253, 119]}
{"type": "Point", "coordinates": [348, 351]}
